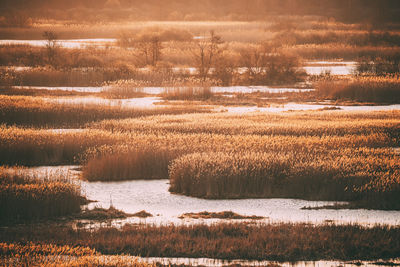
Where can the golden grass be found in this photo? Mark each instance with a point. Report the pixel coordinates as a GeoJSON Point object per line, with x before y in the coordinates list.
{"type": "Point", "coordinates": [28, 146]}
{"type": "Point", "coordinates": [124, 89]}
{"type": "Point", "coordinates": [155, 141]}
{"type": "Point", "coordinates": [25, 197]}
{"type": "Point", "coordinates": [38, 254]}
{"type": "Point", "coordinates": [42, 112]}
{"type": "Point", "coordinates": [307, 123]}
{"type": "Point", "coordinates": [362, 89]}
{"type": "Point", "coordinates": [281, 242]}
{"type": "Point", "coordinates": [351, 174]}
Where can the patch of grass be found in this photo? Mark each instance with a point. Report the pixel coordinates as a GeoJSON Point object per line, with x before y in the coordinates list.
{"type": "Point", "coordinates": [218, 215]}
{"type": "Point", "coordinates": [142, 214]}
{"type": "Point", "coordinates": [100, 214]}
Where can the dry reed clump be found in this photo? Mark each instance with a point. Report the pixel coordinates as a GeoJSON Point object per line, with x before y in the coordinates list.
{"type": "Point", "coordinates": [363, 89]}
{"type": "Point", "coordinates": [188, 89]}
{"type": "Point", "coordinates": [345, 175]}
{"type": "Point", "coordinates": [124, 89]}
{"type": "Point", "coordinates": [281, 242]}
{"type": "Point", "coordinates": [219, 215]}
{"type": "Point", "coordinates": [40, 254]}
{"type": "Point", "coordinates": [26, 198]}
{"type": "Point", "coordinates": [36, 111]}
{"type": "Point", "coordinates": [150, 162]}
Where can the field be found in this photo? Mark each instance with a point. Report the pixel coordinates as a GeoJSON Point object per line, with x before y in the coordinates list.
{"type": "Point", "coordinates": [268, 133]}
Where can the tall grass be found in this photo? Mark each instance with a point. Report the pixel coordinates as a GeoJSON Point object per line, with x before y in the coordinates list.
{"type": "Point", "coordinates": [188, 89]}
{"type": "Point", "coordinates": [140, 163]}
{"type": "Point", "coordinates": [146, 156]}
{"type": "Point", "coordinates": [25, 146]}
{"type": "Point", "coordinates": [281, 242]}
{"type": "Point", "coordinates": [340, 51]}
{"type": "Point", "coordinates": [164, 138]}
{"type": "Point", "coordinates": [124, 89]}
{"type": "Point", "coordinates": [38, 254]}
{"type": "Point", "coordinates": [349, 175]}
{"type": "Point", "coordinates": [309, 123]}
{"type": "Point", "coordinates": [363, 89]}
{"type": "Point", "coordinates": [25, 197]}
{"type": "Point", "coordinates": [42, 112]}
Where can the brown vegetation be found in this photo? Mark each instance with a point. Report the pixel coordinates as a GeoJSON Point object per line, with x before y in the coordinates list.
{"type": "Point", "coordinates": [218, 215]}
{"type": "Point", "coordinates": [367, 177]}
{"type": "Point", "coordinates": [38, 254]}
{"type": "Point", "coordinates": [362, 89]}
{"type": "Point", "coordinates": [100, 214]}
{"type": "Point", "coordinates": [27, 198]}
{"type": "Point", "coordinates": [42, 112]}
{"type": "Point", "coordinates": [282, 242]}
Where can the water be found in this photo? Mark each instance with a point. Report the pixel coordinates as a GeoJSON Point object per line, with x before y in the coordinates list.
{"type": "Point", "coordinates": [153, 196]}
{"type": "Point", "coordinates": [151, 102]}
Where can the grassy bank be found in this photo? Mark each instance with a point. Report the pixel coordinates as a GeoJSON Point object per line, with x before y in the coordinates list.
{"type": "Point", "coordinates": [283, 242]}
{"type": "Point", "coordinates": [25, 197]}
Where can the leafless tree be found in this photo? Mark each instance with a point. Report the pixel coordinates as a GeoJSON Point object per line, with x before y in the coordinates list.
{"type": "Point", "coordinates": [206, 52]}
{"type": "Point", "coordinates": [51, 46]}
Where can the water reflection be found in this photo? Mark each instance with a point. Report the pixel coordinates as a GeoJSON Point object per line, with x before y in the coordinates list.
{"type": "Point", "coordinates": [153, 196]}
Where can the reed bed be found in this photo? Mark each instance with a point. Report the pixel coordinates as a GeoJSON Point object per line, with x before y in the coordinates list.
{"type": "Point", "coordinates": [362, 89]}
{"type": "Point", "coordinates": [30, 147]}
{"type": "Point", "coordinates": [309, 123]}
{"type": "Point", "coordinates": [42, 112]}
{"type": "Point", "coordinates": [147, 156]}
{"type": "Point", "coordinates": [25, 197]}
{"type": "Point", "coordinates": [340, 51]}
{"type": "Point", "coordinates": [281, 242]}
{"type": "Point", "coordinates": [155, 141]}
{"type": "Point", "coordinates": [351, 175]}
{"type": "Point", "coordinates": [40, 254]}
{"type": "Point", "coordinates": [187, 93]}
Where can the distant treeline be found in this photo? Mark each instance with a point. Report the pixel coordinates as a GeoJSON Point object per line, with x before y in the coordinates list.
{"type": "Point", "coordinates": [371, 11]}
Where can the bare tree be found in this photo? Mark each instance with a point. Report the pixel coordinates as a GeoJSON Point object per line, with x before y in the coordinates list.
{"type": "Point", "coordinates": [265, 65]}
{"type": "Point", "coordinates": [149, 48]}
{"type": "Point", "coordinates": [51, 46]}
{"type": "Point", "coordinates": [206, 52]}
